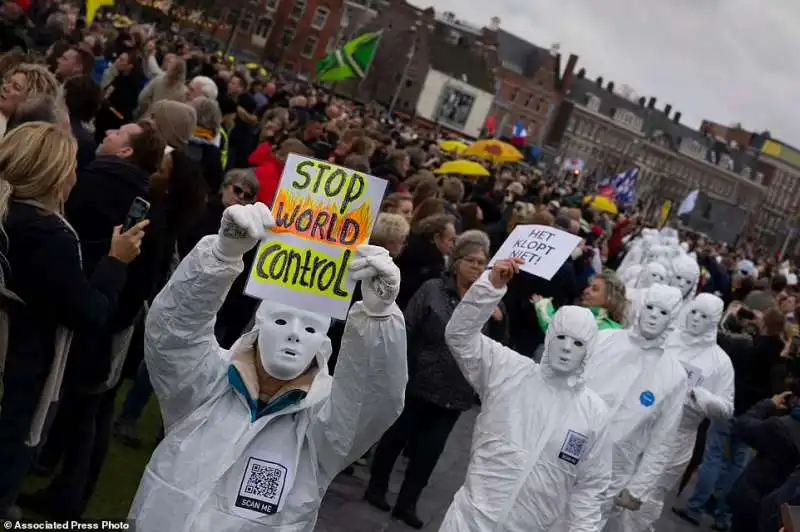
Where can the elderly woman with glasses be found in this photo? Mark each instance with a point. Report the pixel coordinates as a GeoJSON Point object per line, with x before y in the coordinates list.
{"type": "Point", "coordinates": [437, 392]}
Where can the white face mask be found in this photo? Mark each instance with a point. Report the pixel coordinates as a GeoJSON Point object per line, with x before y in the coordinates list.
{"type": "Point", "coordinates": [653, 320]}
{"type": "Point", "coordinates": [565, 354]}
{"type": "Point", "coordinates": [655, 278]}
{"type": "Point", "coordinates": [289, 339]}
{"type": "Point", "coordinates": [698, 322]}
{"type": "Point", "coordinates": [682, 283]}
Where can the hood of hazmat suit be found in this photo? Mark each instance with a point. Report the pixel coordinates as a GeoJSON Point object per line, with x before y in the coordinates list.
{"type": "Point", "coordinates": [709, 375]}
{"type": "Point", "coordinates": [685, 276]}
{"type": "Point", "coordinates": [652, 273]}
{"type": "Point", "coordinates": [235, 459]}
{"type": "Point", "coordinates": [540, 451]}
{"type": "Point", "coordinates": [644, 388]}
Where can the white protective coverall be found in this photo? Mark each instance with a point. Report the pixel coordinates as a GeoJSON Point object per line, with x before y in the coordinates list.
{"type": "Point", "coordinates": [644, 389]}
{"type": "Point", "coordinates": [639, 248]}
{"type": "Point", "coordinates": [709, 373]}
{"type": "Point", "coordinates": [685, 276]}
{"type": "Point", "coordinates": [224, 466]}
{"type": "Point", "coordinates": [540, 451]}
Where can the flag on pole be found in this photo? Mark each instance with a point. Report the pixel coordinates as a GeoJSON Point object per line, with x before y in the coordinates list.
{"type": "Point", "coordinates": [624, 185]}
{"type": "Point", "coordinates": [92, 6]}
{"type": "Point", "coordinates": [519, 133]}
{"type": "Point", "coordinates": [350, 61]}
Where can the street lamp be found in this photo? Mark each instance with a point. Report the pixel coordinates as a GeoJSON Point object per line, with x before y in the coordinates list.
{"type": "Point", "coordinates": [409, 59]}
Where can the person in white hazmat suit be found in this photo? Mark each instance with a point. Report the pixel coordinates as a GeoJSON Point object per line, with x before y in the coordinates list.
{"type": "Point", "coordinates": [255, 435]}
{"type": "Point", "coordinates": [656, 253]}
{"type": "Point", "coordinates": [685, 276]}
{"type": "Point", "coordinates": [644, 389]}
{"type": "Point", "coordinates": [639, 248]}
{"type": "Point", "coordinates": [709, 373]}
{"type": "Point", "coordinates": [652, 273]}
{"type": "Point", "coordinates": [540, 450]}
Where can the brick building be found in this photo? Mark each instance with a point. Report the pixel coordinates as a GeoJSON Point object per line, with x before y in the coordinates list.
{"type": "Point", "coordinates": [778, 168]}
{"type": "Point", "coordinates": [290, 35]}
{"type": "Point", "coordinates": [530, 87]}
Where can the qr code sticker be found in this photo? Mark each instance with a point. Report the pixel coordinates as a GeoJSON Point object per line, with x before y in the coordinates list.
{"type": "Point", "coordinates": [573, 447]}
{"type": "Point", "coordinates": [262, 486]}
{"type": "Point", "coordinates": [265, 481]}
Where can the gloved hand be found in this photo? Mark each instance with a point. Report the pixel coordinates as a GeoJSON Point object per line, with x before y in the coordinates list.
{"type": "Point", "coordinates": [241, 228]}
{"type": "Point", "coordinates": [625, 500]}
{"type": "Point", "coordinates": [379, 276]}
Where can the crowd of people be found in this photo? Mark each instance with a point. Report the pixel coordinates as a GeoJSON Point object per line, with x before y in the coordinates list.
{"type": "Point", "coordinates": [651, 358]}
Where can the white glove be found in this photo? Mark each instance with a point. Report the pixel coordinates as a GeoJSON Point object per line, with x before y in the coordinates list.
{"type": "Point", "coordinates": [241, 228]}
{"type": "Point", "coordinates": [379, 276]}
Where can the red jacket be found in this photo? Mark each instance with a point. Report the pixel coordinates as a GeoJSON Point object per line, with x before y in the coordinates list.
{"type": "Point", "coordinates": [268, 170]}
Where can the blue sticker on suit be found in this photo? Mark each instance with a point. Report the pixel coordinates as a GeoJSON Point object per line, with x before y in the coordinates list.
{"type": "Point", "coordinates": [647, 398]}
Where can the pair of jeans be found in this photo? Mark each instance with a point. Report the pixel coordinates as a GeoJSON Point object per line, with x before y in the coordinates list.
{"type": "Point", "coordinates": [422, 426]}
{"type": "Point", "coordinates": [724, 459]}
{"type": "Point", "coordinates": [137, 397]}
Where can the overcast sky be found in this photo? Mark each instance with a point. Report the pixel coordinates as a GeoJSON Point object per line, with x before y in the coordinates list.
{"type": "Point", "coordinates": [725, 60]}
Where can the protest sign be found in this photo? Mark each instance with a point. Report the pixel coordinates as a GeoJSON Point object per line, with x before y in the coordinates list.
{"type": "Point", "coordinates": [544, 249]}
{"type": "Point", "coordinates": [322, 212]}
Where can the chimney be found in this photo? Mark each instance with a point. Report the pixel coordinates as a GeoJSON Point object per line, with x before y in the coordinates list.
{"type": "Point", "coordinates": [581, 73]}
{"type": "Point", "coordinates": [642, 101]}
{"type": "Point", "coordinates": [569, 71]}
{"type": "Point", "coordinates": [651, 104]}
{"type": "Point", "coordinates": [677, 117]}
{"type": "Point", "coordinates": [610, 86]}
{"type": "Point", "coordinates": [667, 110]}
{"type": "Point", "coordinates": [600, 81]}
{"type": "Point", "coordinates": [494, 23]}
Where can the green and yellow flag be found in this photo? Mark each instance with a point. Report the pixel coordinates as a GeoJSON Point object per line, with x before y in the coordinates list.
{"type": "Point", "coordinates": [92, 6]}
{"type": "Point", "coordinates": [350, 61]}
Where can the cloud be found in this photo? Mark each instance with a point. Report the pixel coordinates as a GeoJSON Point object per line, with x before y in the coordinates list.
{"type": "Point", "coordinates": [724, 60]}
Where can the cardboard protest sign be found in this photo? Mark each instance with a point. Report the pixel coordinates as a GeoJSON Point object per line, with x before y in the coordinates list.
{"type": "Point", "coordinates": [544, 249]}
{"type": "Point", "coordinates": [322, 212]}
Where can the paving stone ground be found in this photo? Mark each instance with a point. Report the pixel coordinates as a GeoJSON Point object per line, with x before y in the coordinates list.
{"type": "Point", "coordinates": [343, 509]}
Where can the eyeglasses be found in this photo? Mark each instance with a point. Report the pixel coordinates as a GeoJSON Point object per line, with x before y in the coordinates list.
{"type": "Point", "coordinates": [246, 195]}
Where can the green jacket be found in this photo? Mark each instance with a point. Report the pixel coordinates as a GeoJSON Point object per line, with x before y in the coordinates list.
{"type": "Point", "coordinates": [545, 312]}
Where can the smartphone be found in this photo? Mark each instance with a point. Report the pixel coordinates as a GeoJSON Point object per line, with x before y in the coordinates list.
{"type": "Point", "coordinates": [138, 212]}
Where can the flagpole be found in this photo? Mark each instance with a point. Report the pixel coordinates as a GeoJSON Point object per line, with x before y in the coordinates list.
{"type": "Point", "coordinates": [399, 88]}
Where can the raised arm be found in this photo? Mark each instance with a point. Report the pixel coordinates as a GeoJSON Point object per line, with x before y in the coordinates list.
{"type": "Point", "coordinates": [484, 362]}
{"type": "Point", "coordinates": [181, 351]}
{"type": "Point", "coordinates": [371, 373]}
{"type": "Point", "coordinates": [715, 401]}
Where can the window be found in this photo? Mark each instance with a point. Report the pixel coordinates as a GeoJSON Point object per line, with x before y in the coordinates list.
{"type": "Point", "coordinates": [310, 47]}
{"type": "Point", "coordinates": [298, 8]}
{"type": "Point", "coordinates": [320, 17]}
{"type": "Point", "coordinates": [246, 24]}
{"type": "Point", "coordinates": [271, 5]}
{"type": "Point", "coordinates": [288, 37]}
{"type": "Point", "coordinates": [262, 27]}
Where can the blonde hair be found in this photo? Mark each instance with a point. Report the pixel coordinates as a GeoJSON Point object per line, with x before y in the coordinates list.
{"type": "Point", "coordinates": [38, 80]}
{"type": "Point", "coordinates": [36, 159]}
{"type": "Point", "coordinates": [389, 228]}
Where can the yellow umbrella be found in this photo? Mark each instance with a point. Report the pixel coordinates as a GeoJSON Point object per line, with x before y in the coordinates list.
{"type": "Point", "coordinates": [496, 151]}
{"type": "Point", "coordinates": [453, 146]}
{"type": "Point", "coordinates": [462, 167]}
{"type": "Point", "coordinates": [601, 203]}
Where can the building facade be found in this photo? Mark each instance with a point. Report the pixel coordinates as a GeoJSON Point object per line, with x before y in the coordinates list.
{"type": "Point", "coordinates": [290, 35]}
{"type": "Point", "coordinates": [530, 85]}
{"type": "Point", "coordinates": [612, 131]}
{"type": "Point", "coordinates": [777, 223]}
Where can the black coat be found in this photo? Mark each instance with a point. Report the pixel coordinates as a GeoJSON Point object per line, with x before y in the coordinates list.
{"type": "Point", "coordinates": [209, 158]}
{"type": "Point", "coordinates": [433, 374]}
{"type": "Point", "coordinates": [100, 200]}
{"type": "Point", "coordinates": [776, 441]}
{"type": "Point", "coordinates": [420, 261]}
{"type": "Point", "coordinates": [86, 143]}
{"type": "Point", "coordinates": [44, 269]}
{"type": "Point", "coordinates": [753, 359]}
